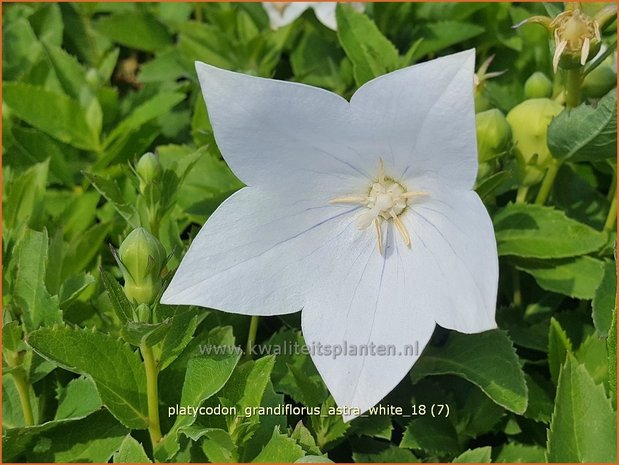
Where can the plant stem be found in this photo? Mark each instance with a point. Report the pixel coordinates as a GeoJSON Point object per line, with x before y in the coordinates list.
{"type": "Point", "coordinates": [517, 291]}
{"type": "Point", "coordinates": [549, 179]}
{"type": "Point", "coordinates": [573, 86]}
{"type": "Point", "coordinates": [152, 393]}
{"type": "Point", "coordinates": [251, 336]}
{"type": "Point", "coordinates": [611, 219]}
{"type": "Point", "coordinates": [521, 194]}
{"type": "Point", "coordinates": [23, 389]}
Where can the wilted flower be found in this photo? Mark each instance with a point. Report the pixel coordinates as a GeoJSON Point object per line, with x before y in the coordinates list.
{"type": "Point", "coordinates": [576, 35]}
{"type": "Point", "coordinates": [283, 13]}
{"type": "Point", "coordinates": [360, 213]}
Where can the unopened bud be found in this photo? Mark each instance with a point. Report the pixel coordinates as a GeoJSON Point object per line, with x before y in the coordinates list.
{"type": "Point", "coordinates": [529, 122]}
{"type": "Point", "coordinates": [599, 81]}
{"type": "Point", "coordinates": [142, 257]}
{"type": "Point", "coordinates": [538, 86]}
{"type": "Point", "coordinates": [493, 134]}
{"type": "Point", "coordinates": [148, 169]}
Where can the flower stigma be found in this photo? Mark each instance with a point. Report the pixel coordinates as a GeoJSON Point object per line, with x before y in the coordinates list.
{"type": "Point", "coordinates": [387, 199]}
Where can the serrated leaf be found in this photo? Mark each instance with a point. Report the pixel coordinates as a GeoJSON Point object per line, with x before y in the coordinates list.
{"type": "Point", "coordinates": [110, 190]}
{"type": "Point", "coordinates": [131, 451]}
{"type": "Point", "coordinates": [38, 307]}
{"type": "Point", "coordinates": [84, 249]}
{"type": "Point", "coordinates": [137, 333]}
{"type": "Point", "coordinates": [121, 305]}
{"type": "Point", "coordinates": [576, 277]}
{"type": "Point", "coordinates": [374, 451]}
{"type": "Point", "coordinates": [537, 231]}
{"type": "Point", "coordinates": [559, 346]}
{"type": "Point", "coordinates": [115, 368]}
{"type": "Point", "coordinates": [479, 455]}
{"type": "Point", "coordinates": [540, 391]}
{"type": "Point", "coordinates": [181, 331]}
{"type": "Point", "coordinates": [584, 426]}
{"type": "Point", "coordinates": [218, 446]}
{"type": "Point", "coordinates": [605, 300]}
{"type": "Point", "coordinates": [487, 359]}
{"type": "Point", "coordinates": [587, 132]}
{"type": "Point", "coordinates": [279, 449]}
{"type": "Point", "coordinates": [78, 399]}
{"type": "Point", "coordinates": [371, 53]}
{"type": "Point", "coordinates": [611, 347]}
{"type": "Point", "coordinates": [73, 287]}
{"type": "Point", "coordinates": [69, 71]}
{"type": "Point", "coordinates": [55, 114]}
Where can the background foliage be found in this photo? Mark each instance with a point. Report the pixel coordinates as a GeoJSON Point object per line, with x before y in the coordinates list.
{"type": "Point", "coordinates": [88, 88]}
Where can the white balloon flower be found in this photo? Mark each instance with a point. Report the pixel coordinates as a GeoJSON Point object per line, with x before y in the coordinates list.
{"type": "Point", "coordinates": [283, 13]}
{"type": "Point", "coordinates": [360, 213]}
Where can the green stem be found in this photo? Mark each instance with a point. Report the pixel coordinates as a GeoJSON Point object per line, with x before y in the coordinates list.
{"type": "Point", "coordinates": [611, 219]}
{"type": "Point", "coordinates": [573, 86]}
{"type": "Point", "coordinates": [23, 389]}
{"type": "Point", "coordinates": [549, 179]}
{"type": "Point", "coordinates": [521, 194]}
{"type": "Point", "coordinates": [517, 291]}
{"type": "Point", "coordinates": [251, 336]}
{"type": "Point", "coordinates": [152, 393]}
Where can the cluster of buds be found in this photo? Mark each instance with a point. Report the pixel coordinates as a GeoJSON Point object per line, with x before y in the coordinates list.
{"type": "Point", "coordinates": [141, 259]}
{"type": "Point", "coordinates": [576, 34]}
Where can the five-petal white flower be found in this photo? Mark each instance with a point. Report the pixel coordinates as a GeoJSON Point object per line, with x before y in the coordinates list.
{"type": "Point", "coordinates": [360, 213]}
{"type": "Point", "coordinates": [283, 13]}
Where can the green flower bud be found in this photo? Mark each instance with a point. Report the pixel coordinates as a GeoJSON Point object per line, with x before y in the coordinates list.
{"type": "Point", "coordinates": [537, 86]}
{"type": "Point", "coordinates": [141, 259]}
{"type": "Point", "coordinates": [143, 313]}
{"type": "Point", "coordinates": [148, 169]}
{"type": "Point", "coordinates": [529, 122]}
{"type": "Point", "coordinates": [493, 134]}
{"type": "Point", "coordinates": [93, 78]}
{"type": "Point", "coordinates": [599, 81]}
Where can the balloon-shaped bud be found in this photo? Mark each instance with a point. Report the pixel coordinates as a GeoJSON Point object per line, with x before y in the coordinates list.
{"type": "Point", "coordinates": [141, 259]}
{"type": "Point", "coordinates": [493, 134]}
{"type": "Point", "coordinates": [537, 86]}
{"type": "Point", "coordinates": [599, 81]}
{"type": "Point", "coordinates": [149, 169]}
{"type": "Point", "coordinates": [529, 121]}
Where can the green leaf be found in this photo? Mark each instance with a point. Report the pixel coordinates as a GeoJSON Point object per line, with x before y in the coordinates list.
{"type": "Point", "coordinates": [487, 360]}
{"type": "Point", "coordinates": [584, 426]}
{"type": "Point", "coordinates": [536, 231]}
{"type": "Point", "coordinates": [520, 453]}
{"type": "Point", "coordinates": [433, 435]}
{"type": "Point", "coordinates": [73, 287]}
{"type": "Point", "coordinates": [78, 399]}
{"type": "Point", "coordinates": [38, 307]}
{"type": "Point", "coordinates": [115, 368]}
{"type": "Point", "coordinates": [280, 449]}
{"type": "Point", "coordinates": [559, 346]}
{"type": "Point", "coordinates": [138, 333]}
{"type": "Point", "coordinates": [138, 30]}
{"type": "Point", "coordinates": [12, 413]}
{"type": "Point", "coordinates": [84, 249]}
{"type": "Point", "coordinates": [441, 35]}
{"type": "Point", "coordinates": [12, 337]}
{"type": "Point", "coordinates": [25, 205]}
{"type": "Point", "coordinates": [70, 72]}
{"type": "Point", "coordinates": [181, 331]}
{"type": "Point", "coordinates": [131, 451]}
{"type": "Point", "coordinates": [21, 50]}
{"type": "Point", "coordinates": [110, 190]}
{"type": "Point", "coordinates": [578, 277]}
{"type": "Point", "coordinates": [369, 50]}
{"type": "Point", "coordinates": [373, 451]}
{"type": "Point", "coordinates": [92, 439]}
{"type": "Point", "coordinates": [218, 446]}
{"type": "Point", "coordinates": [479, 455]}
{"type": "Point", "coordinates": [121, 305]}
{"type": "Point", "coordinates": [611, 347]}
{"type": "Point", "coordinates": [605, 300]}
{"type": "Point", "coordinates": [55, 114]}
{"type": "Point", "coordinates": [540, 390]}
{"type": "Point", "coordinates": [587, 132]}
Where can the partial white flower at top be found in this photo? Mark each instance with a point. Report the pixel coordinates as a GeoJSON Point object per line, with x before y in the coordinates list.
{"type": "Point", "coordinates": [361, 214]}
{"type": "Point", "coordinates": [283, 13]}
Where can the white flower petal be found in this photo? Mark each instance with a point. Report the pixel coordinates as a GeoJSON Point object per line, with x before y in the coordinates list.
{"type": "Point", "coordinates": [281, 135]}
{"type": "Point", "coordinates": [325, 12]}
{"type": "Point", "coordinates": [453, 259]}
{"type": "Point", "coordinates": [366, 298]}
{"type": "Point", "coordinates": [257, 253]}
{"type": "Point", "coordinates": [284, 13]}
{"type": "Point", "coordinates": [421, 120]}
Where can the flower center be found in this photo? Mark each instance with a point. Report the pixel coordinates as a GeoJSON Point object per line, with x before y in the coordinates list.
{"type": "Point", "coordinates": [387, 199]}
